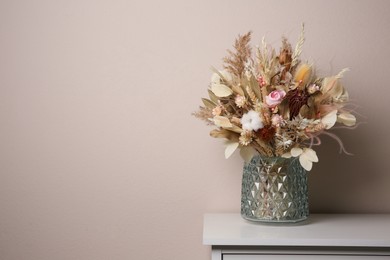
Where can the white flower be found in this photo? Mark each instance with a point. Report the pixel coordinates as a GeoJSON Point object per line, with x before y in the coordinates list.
{"type": "Point", "coordinates": [251, 121]}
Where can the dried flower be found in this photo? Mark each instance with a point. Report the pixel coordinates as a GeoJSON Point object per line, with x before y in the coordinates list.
{"type": "Point", "coordinates": [261, 81]}
{"type": "Point", "coordinates": [266, 133]}
{"type": "Point", "coordinates": [217, 111]}
{"type": "Point", "coordinates": [245, 137]}
{"type": "Point", "coordinates": [240, 101]}
{"type": "Point", "coordinates": [273, 104]}
{"type": "Point", "coordinates": [276, 120]}
{"type": "Point", "coordinates": [296, 99]}
{"type": "Point", "coordinates": [275, 97]}
{"type": "Point", "coordinates": [313, 88]}
{"type": "Point", "coordinates": [303, 74]}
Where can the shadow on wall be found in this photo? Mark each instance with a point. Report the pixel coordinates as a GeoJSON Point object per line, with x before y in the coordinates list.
{"type": "Point", "coordinates": [341, 183]}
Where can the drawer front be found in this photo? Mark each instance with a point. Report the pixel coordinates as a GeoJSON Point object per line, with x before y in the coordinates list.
{"type": "Point", "coordinates": [299, 257]}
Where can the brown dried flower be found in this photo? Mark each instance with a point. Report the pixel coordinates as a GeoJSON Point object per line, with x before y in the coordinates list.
{"type": "Point", "coordinates": [296, 99]}
{"type": "Point", "coordinates": [266, 133]}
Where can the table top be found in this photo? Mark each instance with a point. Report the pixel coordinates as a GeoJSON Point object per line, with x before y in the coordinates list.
{"type": "Point", "coordinates": [349, 230]}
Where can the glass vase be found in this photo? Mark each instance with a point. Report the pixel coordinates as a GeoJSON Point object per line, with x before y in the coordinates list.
{"type": "Point", "coordinates": [274, 189]}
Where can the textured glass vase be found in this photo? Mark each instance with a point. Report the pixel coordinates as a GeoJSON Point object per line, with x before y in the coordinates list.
{"type": "Point", "coordinates": [274, 189]}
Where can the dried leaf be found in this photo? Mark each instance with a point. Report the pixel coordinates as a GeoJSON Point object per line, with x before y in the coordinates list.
{"type": "Point", "coordinates": [329, 119]}
{"type": "Point", "coordinates": [306, 164]}
{"type": "Point", "coordinates": [230, 148]}
{"type": "Point", "coordinates": [327, 84]}
{"type": "Point", "coordinates": [221, 90]}
{"type": "Point", "coordinates": [223, 133]}
{"type": "Point", "coordinates": [222, 76]}
{"type": "Point", "coordinates": [234, 128]}
{"type": "Point", "coordinates": [208, 103]}
{"type": "Point", "coordinates": [222, 121]}
{"type": "Point", "coordinates": [295, 152]}
{"type": "Point", "coordinates": [347, 119]}
{"type": "Point", "coordinates": [212, 96]}
{"type": "Point", "coordinates": [247, 153]}
{"type": "Point", "coordinates": [310, 154]}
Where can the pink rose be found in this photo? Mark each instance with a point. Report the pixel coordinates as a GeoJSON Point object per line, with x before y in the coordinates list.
{"type": "Point", "coordinates": [274, 98]}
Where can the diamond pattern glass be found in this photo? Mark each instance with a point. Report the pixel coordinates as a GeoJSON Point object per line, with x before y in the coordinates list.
{"type": "Point", "coordinates": [274, 189]}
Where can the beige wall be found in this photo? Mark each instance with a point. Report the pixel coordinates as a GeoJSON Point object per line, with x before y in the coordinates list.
{"type": "Point", "coordinates": [100, 158]}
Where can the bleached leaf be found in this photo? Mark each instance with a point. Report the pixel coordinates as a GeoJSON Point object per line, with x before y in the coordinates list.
{"type": "Point", "coordinates": [223, 133]}
{"type": "Point", "coordinates": [208, 103]}
{"type": "Point", "coordinates": [222, 121]}
{"type": "Point", "coordinates": [222, 74]}
{"type": "Point", "coordinates": [329, 119]}
{"type": "Point", "coordinates": [230, 148]}
{"type": "Point", "coordinates": [342, 95]}
{"type": "Point", "coordinates": [234, 128]}
{"type": "Point", "coordinates": [247, 152]}
{"type": "Point", "coordinates": [215, 78]}
{"type": "Point", "coordinates": [221, 90]}
{"type": "Point", "coordinates": [216, 133]}
{"type": "Point", "coordinates": [310, 154]}
{"type": "Point", "coordinates": [212, 96]}
{"type": "Point", "coordinates": [347, 119]}
{"type": "Point", "coordinates": [286, 155]}
{"type": "Point", "coordinates": [327, 84]}
{"type": "Point", "coordinates": [295, 152]}
{"type": "Point", "coordinates": [306, 164]}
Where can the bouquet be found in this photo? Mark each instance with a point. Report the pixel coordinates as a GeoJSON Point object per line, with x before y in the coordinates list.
{"type": "Point", "coordinates": [272, 103]}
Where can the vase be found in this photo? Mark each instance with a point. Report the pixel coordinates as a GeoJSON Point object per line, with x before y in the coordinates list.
{"type": "Point", "coordinates": [274, 189]}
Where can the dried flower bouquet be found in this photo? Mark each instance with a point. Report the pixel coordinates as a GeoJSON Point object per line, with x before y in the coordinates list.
{"type": "Point", "coordinates": [273, 103]}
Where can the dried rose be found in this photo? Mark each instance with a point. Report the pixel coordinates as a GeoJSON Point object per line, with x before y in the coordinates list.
{"type": "Point", "coordinates": [274, 98]}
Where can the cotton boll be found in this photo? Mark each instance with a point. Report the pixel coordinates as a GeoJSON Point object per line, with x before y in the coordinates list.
{"type": "Point", "coordinates": [251, 121]}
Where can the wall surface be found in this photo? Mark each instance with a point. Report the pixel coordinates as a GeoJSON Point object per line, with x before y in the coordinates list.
{"type": "Point", "coordinates": [100, 157]}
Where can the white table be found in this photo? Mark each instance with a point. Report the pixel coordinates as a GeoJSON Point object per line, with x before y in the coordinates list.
{"type": "Point", "coordinates": [322, 236]}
